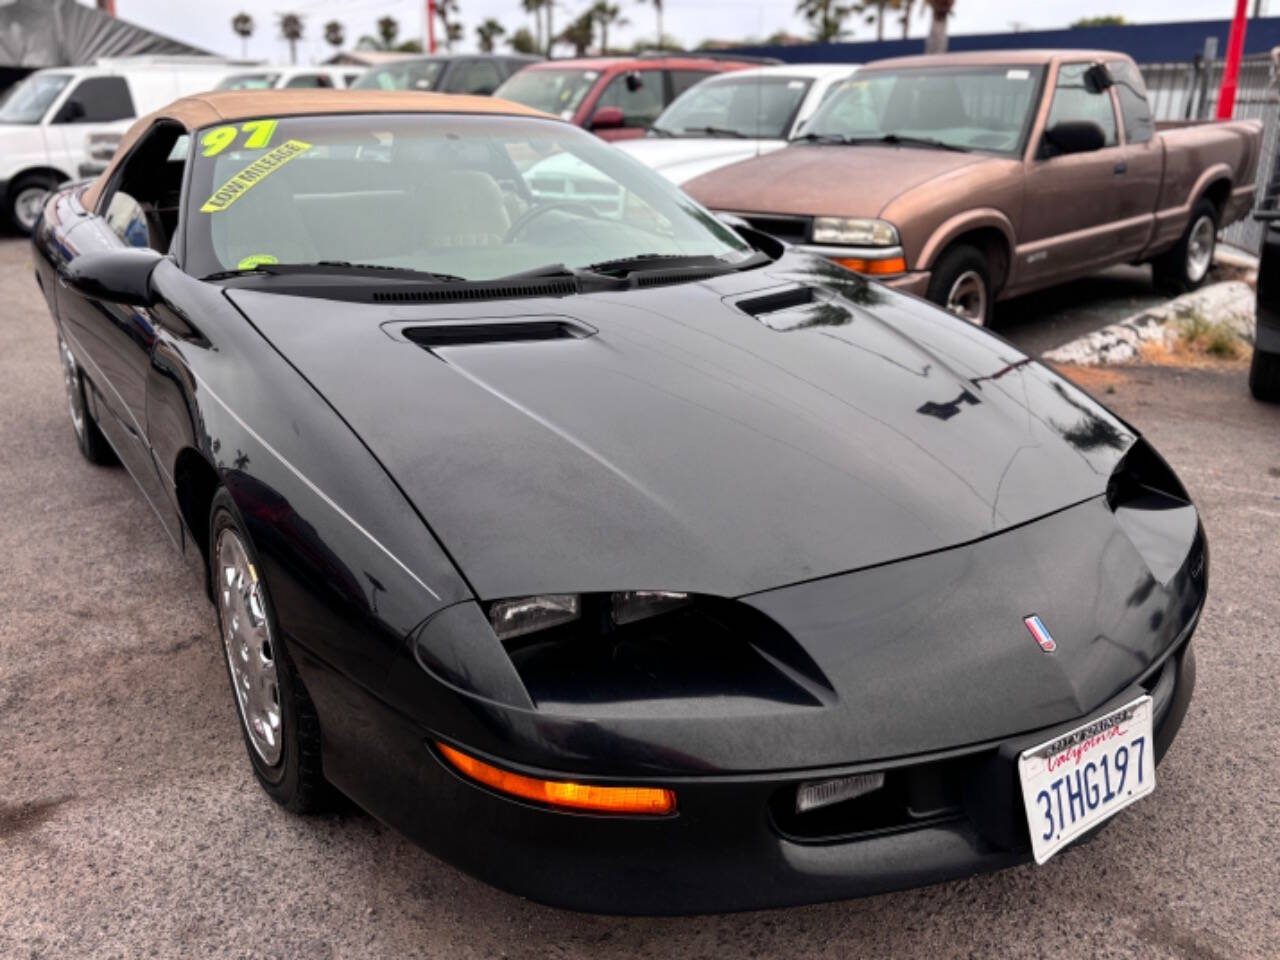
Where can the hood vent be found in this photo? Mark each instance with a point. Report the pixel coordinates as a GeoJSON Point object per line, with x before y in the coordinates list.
{"type": "Point", "coordinates": [496, 290]}
{"type": "Point", "coordinates": [787, 299]}
{"type": "Point", "coordinates": [493, 331]}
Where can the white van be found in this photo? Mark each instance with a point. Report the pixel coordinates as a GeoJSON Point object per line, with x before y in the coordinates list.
{"type": "Point", "coordinates": [48, 119]}
{"type": "Point", "coordinates": [292, 78]}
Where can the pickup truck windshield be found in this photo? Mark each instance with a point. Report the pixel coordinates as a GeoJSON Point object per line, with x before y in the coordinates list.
{"type": "Point", "coordinates": [28, 101]}
{"type": "Point", "coordinates": [971, 108]}
{"type": "Point", "coordinates": [469, 197]}
{"type": "Point", "coordinates": [402, 75]}
{"type": "Point", "coordinates": [755, 107]}
{"type": "Point", "coordinates": [552, 91]}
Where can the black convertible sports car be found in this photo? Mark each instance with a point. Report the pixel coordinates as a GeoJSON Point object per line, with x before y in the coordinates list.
{"type": "Point", "coordinates": [629, 561]}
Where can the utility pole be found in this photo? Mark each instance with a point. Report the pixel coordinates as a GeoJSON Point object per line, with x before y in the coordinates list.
{"type": "Point", "coordinates": [1231, 69]}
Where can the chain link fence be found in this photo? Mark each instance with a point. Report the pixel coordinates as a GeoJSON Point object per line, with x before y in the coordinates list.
{"type": "Point", "coordinates": [1189, 91]}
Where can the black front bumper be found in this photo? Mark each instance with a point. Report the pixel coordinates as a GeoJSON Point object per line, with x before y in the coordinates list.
{"type": "Point", "coordinates": [724, 850]}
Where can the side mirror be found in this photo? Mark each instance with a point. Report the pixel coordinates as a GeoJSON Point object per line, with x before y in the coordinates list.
{"type": "Point", "coordinates": [607, 118]}
{"type": "Point", "coordinates": [70, 112]}
{"type": "Point", "coordinates": [1074, 136]}
{"type": "Point", "coordinates": [114, 276]}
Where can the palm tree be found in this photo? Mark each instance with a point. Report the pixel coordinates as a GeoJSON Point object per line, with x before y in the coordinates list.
{"type": "Point", "coordinates": [937, 40]}
{"type": "Point", "coordinates": [580, 33]}
{"type": "Point", "coordinates": [549, 7]}
{"type": "Point", "coordinates": [487, 33]}
{"type": "Point", "coordinates": [291, 25]}
{"type": "Point", "coordinates": [607, 14]}
{"type": "Point", "coordinates": [657, 6]}
{"type": "Point", "coordinates": [334, 35]}
{"type": "Point", "coordinates": [534, 7]}
{"type": "Point", "coordinates": [242, 27]}
{"type": "Point", "coordinates": [875, 11]}
{"type": "Point", "coordinates": [826, 17]}
{"type": "Point", "coordinates": [522, 41]}
{"type": "Point", "coordinates": [447, 11]}
{"type": "Point", "coordinates": [388, 29]}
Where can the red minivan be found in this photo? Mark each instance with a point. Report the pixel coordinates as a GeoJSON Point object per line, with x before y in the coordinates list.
{"type": "Point", "coordinates": [617, 98]}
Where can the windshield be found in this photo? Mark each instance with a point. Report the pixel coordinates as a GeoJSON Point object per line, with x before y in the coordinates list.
{"type": "Point", "coordinates": [971, 108]}
{"type": "Point", "coordinates": [476, 197]}
{"type": "Point", "coordinates": [28, 101]}
{"type": "Point", "coordinates": [551, 91]}
{"type": "Point", "coordinates": [402, 75]}
{"type": "Point", "coordinates": [249, 81]}
{"type": "Point", "coordinates": [758, 107]}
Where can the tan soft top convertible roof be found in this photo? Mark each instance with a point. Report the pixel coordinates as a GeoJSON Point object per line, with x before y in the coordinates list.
{"type": "Point", "coordinates": [224, 106]}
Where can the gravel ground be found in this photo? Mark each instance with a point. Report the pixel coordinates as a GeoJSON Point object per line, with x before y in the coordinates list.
{"type": "Point", "coordinates": [130, 826]}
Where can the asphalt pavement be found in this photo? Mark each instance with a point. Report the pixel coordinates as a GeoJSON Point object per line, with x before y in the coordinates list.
{"type": "Point", "coordinates": [130, 825]}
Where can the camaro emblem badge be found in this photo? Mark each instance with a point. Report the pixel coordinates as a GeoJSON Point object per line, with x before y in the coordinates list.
{"type": "Point", "coordinates": [1041, 633]}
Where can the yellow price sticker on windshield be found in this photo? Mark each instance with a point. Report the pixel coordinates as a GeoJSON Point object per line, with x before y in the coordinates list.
{"type": "Point", "coordinates": [253, 174]}
{"type": "Point", "coordinates": [258, 134]}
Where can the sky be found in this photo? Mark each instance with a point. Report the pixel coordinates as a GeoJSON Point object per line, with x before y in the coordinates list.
{"type": "Point", "coordinates": [207, 23]}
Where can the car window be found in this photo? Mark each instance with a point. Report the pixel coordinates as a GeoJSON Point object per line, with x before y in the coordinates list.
{"type": "Point", "coordinates": [682, 80]}
{"type": "Point", "coordinates": [981, 107]}
{"type": "Point", "coordinates": [761, 107]}
{"type": "Point", "coordinates": [350, 78]}
{"type": "Point", "coordinates": [475, 76]}
{"type": "Point", "coordinates": [97, 100]}
{"type": "Point", "coordinates": [249, 81]}
{"type": "Point", "coordinates": [27, 101]}
{"type": "Point", "coordinates": [551, 91]}
{"type": "Point", "coordinates": [638, 93]}
{"type": "Point", "coordinates": [143, 200]}
{"type": "Point", "coordinates": [128, 220]}
{"type": "Point", "coordinates": [306, 81]}
{"type": "Point", "coordinates": [477, 197]}
{"type": "Point", "coordinates": [1073, 100]}
{"type": "Point", "coordinates": [1134, 107]}
{"type": "Point", "coordinates": [402, 75]}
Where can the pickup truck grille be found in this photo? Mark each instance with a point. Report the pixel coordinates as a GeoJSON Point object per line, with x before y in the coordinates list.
{"type": "Point", "coordinates": [786, 228]}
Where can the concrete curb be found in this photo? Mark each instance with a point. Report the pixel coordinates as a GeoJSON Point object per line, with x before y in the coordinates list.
{"type": "Point", "coordinates": [1231, 303]}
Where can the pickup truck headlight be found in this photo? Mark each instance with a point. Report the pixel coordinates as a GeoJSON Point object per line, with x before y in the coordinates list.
{"type": "Point", "coordinates": [855, 232]}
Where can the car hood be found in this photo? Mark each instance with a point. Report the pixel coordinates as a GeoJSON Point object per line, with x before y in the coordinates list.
{"type": "Point", "coordinates": [832, 180]}
{"type": "Point", "coordinates": [688, 444]}
{"type": "Point", "coordinates": [683, 158]}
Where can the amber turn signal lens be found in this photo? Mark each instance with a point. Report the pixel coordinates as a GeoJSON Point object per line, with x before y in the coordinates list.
{"type": "Point", "coordinates": [877, 268]}
{"type": "Point", "coordinates": [556, 793]}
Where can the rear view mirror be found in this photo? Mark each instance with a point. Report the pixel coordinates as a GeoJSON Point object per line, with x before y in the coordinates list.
{"type": "Point", "coordinates": [1074, 136]}
{"type": "Point", "coordinates": [634, 82]}
{"type": "Point", "coordinates": [1097, 79]}
{"type": "Point", "coordinates": [607, 118]}
{"type": "Point", "coordinates": [114, 276]}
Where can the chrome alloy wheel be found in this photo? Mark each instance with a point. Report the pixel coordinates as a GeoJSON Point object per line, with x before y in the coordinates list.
{"type": "Point", "coordinates": [71, 380]}
{"type": "Point", "coordinates": [968, 297]}
{"type": "Point", "coordinates": [1200, 248]}
{"type": "Point", "coordinates": [251, 650]}
{"type": "Point", "coordinates": [27, 206]}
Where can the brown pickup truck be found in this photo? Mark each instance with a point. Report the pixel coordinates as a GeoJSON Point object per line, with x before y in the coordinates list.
{"type": "Point", "coordinates": [972, 177]}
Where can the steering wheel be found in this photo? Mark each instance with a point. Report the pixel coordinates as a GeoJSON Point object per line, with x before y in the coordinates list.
{"type": "Point", "coordinates": [533, 213]}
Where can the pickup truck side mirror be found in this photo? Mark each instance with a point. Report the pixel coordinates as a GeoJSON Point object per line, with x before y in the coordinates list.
{"type": "Point", "coordinates": [1073, 136]}
{"type": "Point", "coordinates": [70, 112]}
{"type": "Point", "coordinates": [607, 118]}
{"type": "Point", "coordinates": [114, 276]}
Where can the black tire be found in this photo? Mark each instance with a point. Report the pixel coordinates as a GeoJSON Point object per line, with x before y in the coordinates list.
{"type": "Point", "coordinates": [1264, 376]}
{"type": "Point", "coordinates": [296, 779]}
{"type": "Point", "coordinates": [957, 263]}
{"type": "Point", "coordinates": [19, 192]}
{"type": "Point", "coordinates": [1172, 271]}
{"type": "Point", "coordinates": [93, 445]}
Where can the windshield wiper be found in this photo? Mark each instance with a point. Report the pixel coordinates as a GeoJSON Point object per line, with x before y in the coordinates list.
{"type": "Point", "coordinates": [821, 138]}
{"type": "Point", "coordinates": [625, 266]}
{"type": "Point", "coordinates": [716, 132]}
{"type": "Point", "coordinates": [338, 267]}
{"type": "Point", "coordinates": [896, 139]}
{"type": "Point", "coordinates": [661, 131]}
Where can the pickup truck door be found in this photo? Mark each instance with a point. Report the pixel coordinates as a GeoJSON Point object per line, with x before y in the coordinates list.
{"type": "Point", "coordinates": [1143, 158]}
{"type": "Point", "coordinates": [1072, 220]}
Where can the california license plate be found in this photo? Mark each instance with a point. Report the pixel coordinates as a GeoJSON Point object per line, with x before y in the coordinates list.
{"type": "Point", "coordinates": [1075, 781]}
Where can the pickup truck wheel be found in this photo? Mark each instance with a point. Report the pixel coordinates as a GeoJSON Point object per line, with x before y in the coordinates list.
{"type": "Point", "coordinates": [1185, 266]}
{"type": "Point", "coordinates": [961, 283]}
{"type": "Point", "coordinates": [277, 718]}
{"type": "Point", "coordinates": [89, 438]}
{"type": "Point", "coordinates": [1264, 376]}
{"type": "Point", "coordinates": [26, 200]}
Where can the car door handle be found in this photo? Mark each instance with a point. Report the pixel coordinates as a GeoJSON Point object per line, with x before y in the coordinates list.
{"type": "Point", "coordinates": [1120, 168]}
